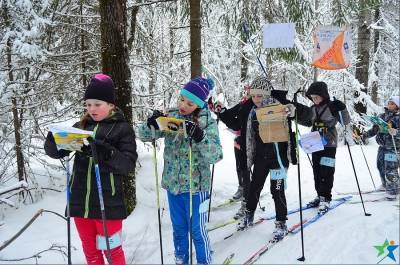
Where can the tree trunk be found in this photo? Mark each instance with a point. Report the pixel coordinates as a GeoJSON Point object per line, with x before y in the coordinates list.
{"type": "Point", "coordinates": [244, 64]}
{"type": "Point", "coordinates": [82, 36]}
{"type": "Point", "coordinates": [362, 65]}
{"type": "Point", "coordinates": [152, 77]}
{"type": "Point", "coordinates": [172, 39]}
{"type": "Point", "coordinates": [115, 62]}
{"type": "Point", "coordinates": [375, 83]}
{"type": "Point", "coordinates": [135, 11]}
{"type": "Point", "coordinates": [16, 120]}
{"type": "Point", "coordinates": [195, 38]}
{"type": "Point", "coordinates": [114, 51]}
{"type": "Point", "coordinates": [315, 70]}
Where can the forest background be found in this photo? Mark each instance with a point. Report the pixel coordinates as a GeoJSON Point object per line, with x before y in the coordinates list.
{"type": "Point", "coordinates": [49, 50]}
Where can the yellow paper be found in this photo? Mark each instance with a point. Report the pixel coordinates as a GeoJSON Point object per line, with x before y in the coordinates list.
{"type": "Point", "coordinates": [170, 124]}
{"type": "Point", "coordinates": [69, 138]}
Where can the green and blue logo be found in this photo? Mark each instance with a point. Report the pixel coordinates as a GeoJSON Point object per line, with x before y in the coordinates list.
{"type": "Point", "coordinates": [386, 248]}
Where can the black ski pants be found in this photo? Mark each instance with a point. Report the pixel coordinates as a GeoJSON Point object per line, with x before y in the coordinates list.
{"type": "Point", "coordinates": [260, 173]}
{"type": "Point", "coordinates": [238, 166]}
{"type": "Point", "coordinates": [324, 169]}
{"type": "Point", "coordinates": [242, 172]}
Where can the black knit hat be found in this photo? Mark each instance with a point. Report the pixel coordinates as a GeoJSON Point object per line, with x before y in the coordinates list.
{"type": "Point", "coordinates": [101, 87]}
{"type": "Point", "coordinates": [318, 88]}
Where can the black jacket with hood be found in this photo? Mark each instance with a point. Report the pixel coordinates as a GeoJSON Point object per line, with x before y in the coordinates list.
{"type": "Point", "coordinates": [325, 113]}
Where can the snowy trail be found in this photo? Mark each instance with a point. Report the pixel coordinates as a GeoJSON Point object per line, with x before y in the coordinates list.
{"type": "Point", "coordinates": [344, 235]}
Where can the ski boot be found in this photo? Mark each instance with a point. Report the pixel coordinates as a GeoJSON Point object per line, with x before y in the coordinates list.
{"type": "Point", "coordinates": [314, 203]}
{"type": "Point", "coordinates": [180, 261]}
{"type": "Point", "coordinates": [246, 221]}
{"type": "Point", "coordinates": [323, 205]}
{"type": "Point", "coordinates": [238, 195]}
{"type": "Point", "coordinates": [391, 197]}
{"type": "Point", "coordinates": [280, 230]}
{"type": "Point", "coordinates": [241, 212]}
{"type": "Point", "coordinates": [391, 194]}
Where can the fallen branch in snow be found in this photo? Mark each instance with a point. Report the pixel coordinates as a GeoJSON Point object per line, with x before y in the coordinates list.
{"type": "Point", "coordinates": [8, 242]}
{"type": "Point", "coordinates": [54, 247]}
{"type": "Point", "coordinates": [28, 190]}
{"type": "Point", "coordinates": [16, 186]}
{"type": "Point", "coordinates": [6, 201]}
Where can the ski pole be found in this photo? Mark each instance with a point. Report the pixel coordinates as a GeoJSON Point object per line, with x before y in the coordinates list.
{"type": "Point", "coordinates": [101, 199]}
{"type": "Point", "coordinates": [153, 142]}
{"type": "Point", "coordinates": [211, 188]}
{"type": "Point", "coordinates": [190, 199]}
{"type": "Point", "coordinates": [247, 32]}
{"type": "Point", "coordinates": [366, 162]}
{"type": "Point", "coordinates": [67, 159]}
{"type": "Point", "coordinates": [395, 149]}
{"type": "Point", "coordinates": [302, 258]}
{"type": "Point", "coordinates": [352, 163]}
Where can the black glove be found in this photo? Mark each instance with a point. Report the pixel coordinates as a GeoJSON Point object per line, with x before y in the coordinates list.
{"type": "Point", "coordinates": [151, 121]}
{"type": "Point", "coordinates": [50, 148]}
{"type": "Point", "coordinates": [50, 138]}
{"type": "Point", "coordinates": [216, 107]}
{"type": "Point", "coordinates": [194, 131]}
{"type": "Point", "coordinates": [280, 95]}
{"type": "Point", "coordinates": [338, 105]}
{"type": "Point", "coordinates": [105, 151]}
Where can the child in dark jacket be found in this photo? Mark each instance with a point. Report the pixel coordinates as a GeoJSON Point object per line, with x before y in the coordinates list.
{"type": "Point", "coordinates": [267, 158]}
{"type": "Point", "coordinates": [116, 148]}
{"type": "Point", "coordinates": [206, 150]}
{"type": "Point", "coordinates": [323, 117]}
{"type": "Point", "coordinates": [389, 143]}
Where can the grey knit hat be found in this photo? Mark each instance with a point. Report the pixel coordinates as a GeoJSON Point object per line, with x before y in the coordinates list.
{"type": "Point", "coordinates": [260, 86]}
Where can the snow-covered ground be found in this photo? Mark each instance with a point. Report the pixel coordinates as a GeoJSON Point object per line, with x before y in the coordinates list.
{"type": "Point", "coordinates": [343, 236]}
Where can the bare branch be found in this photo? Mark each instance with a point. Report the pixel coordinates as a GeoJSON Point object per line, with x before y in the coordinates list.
{"type": "Point", "coordinates": [151, 3]}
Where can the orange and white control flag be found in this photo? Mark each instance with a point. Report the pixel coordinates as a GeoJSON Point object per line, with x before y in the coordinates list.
{"type": "Point", "coordinates": [332, 48]}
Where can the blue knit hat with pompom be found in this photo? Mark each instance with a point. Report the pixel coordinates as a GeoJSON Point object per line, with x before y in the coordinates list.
{"type": "Point", "coordinates": [197, 90]}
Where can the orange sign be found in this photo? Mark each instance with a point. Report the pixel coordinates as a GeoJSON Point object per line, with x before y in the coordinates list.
{"type": "Point", "coordinates": [332, 48]}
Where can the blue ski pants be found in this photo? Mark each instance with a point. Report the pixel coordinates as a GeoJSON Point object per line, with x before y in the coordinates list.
{"type": "Point", "coordinates": [179, 206]}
